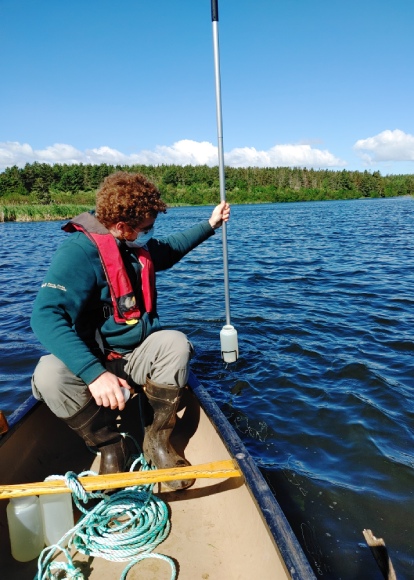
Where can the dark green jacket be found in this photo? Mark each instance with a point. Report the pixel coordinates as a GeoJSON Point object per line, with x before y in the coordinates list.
{"type": "Point", "coordinates": [74, 300]}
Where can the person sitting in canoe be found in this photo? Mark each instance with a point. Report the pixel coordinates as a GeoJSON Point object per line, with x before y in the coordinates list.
{"type": "Point", "coordinates": [96, 312]}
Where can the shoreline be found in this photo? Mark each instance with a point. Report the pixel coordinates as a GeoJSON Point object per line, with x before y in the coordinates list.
{"type": "Point", "coordinates": [57, 212]}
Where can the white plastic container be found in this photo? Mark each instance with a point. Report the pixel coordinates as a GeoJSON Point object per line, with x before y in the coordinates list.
{"type": "Point", "coordinates": [229, 343]}
{"type": "Point", "coordinates": [57, 516]}
{"type": "Point", "coordinates": [25, 528]}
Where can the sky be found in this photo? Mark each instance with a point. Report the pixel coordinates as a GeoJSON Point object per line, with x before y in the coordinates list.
{"type": "Point", "coordinates": [326, 84]}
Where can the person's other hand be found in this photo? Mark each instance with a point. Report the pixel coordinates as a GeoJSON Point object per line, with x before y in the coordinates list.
{"type": "Point", "coordinates": [221, 213]}
{"type": "Point", "coordinates": [106, 391]}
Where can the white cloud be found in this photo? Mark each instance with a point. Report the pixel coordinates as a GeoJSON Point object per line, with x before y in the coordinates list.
{"type": "Point", "coordinates": [184, 152]}
{"type": "Point", "coordinates": [107, 155]}
{"type": "Point", "coordinates": [283, 156]}
{"type": "Point", "coordinates": [387, 146]}
{"type": "Point", "coordinates": [14, 153]}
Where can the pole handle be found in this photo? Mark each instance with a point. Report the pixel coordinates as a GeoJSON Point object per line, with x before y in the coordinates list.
{"type": "Point", "coordinates": [214, 11]}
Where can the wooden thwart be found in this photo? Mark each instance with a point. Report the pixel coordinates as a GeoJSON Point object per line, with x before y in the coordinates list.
{"type": "Point", "coordinates": [216, 469]}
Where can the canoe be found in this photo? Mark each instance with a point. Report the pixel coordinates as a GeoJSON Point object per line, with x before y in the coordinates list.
{"type": "Point", "coordinates": [222, 528]}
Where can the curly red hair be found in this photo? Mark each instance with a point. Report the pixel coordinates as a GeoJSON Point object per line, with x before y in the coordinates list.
{"type": "Point", "coordinates": [127, 197]}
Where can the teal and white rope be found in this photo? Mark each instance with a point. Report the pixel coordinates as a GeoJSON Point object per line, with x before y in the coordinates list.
{"type": "Point", "coordinates": [123, 527]}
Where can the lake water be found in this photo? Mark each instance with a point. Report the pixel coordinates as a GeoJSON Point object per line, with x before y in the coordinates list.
{"type": "Point", "coordinates": [323, 392]}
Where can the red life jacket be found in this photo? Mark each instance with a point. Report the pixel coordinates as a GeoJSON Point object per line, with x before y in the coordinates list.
{"type": "Point", "coordinates": [124, 302]}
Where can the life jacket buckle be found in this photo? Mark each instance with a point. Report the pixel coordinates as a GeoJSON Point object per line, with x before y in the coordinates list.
{"type": "Point", "coordinates": [107, 311]}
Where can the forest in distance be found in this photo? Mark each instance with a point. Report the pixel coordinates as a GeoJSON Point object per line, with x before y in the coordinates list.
{"type": "Point", "coordinates": [45, 184]}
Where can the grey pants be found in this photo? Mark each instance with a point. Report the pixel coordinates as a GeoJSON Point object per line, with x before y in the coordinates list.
{"type": "Point", "coordinates": [163, 357]}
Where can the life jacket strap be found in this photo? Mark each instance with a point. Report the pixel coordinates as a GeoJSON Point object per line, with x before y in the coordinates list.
{"type": "Point", "coordinates": [124, 309]}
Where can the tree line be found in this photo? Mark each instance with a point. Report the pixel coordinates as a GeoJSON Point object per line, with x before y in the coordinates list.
{"type": "Point", "coordinates": [196, 185]}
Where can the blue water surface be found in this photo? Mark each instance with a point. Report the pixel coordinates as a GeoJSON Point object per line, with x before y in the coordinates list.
{"type": "Point", "coordinates": [322, 297]}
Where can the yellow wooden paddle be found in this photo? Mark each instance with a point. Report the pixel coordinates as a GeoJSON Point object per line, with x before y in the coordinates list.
{"type": "Point", "coordinates": [216, 469]}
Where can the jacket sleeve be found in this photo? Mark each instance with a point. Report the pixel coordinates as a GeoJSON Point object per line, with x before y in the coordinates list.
{"type": "Point", "coordinates": [70, 284]}
{"type": "Point", "coordinates": [168, 251]}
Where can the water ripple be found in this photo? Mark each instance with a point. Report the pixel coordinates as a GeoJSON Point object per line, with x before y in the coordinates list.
{"type": "Point", "coordinates": [323, 391]}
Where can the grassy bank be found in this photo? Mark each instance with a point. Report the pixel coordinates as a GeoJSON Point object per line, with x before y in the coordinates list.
{"type": "Point", "coordinates": [55, 212]}
{"type": "Point", "coordinates": [37, 213]}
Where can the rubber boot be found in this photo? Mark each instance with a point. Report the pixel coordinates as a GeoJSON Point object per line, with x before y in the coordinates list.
{"type": "Point", "coordinates": [97, 427]}
{"type": "Point", "coordinates": [164, 400]}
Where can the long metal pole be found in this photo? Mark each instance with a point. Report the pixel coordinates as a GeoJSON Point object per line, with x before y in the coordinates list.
{"type": "Point", "coordinates": [215, 18]}
{"type": "Point", "coordinates": [228, 334]}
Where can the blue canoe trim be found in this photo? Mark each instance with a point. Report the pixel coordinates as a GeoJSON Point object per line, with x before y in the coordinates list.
{"type": "Point", "coordinates": [292, 553]}
{"type": "Point", "coordinates": [24, 409]}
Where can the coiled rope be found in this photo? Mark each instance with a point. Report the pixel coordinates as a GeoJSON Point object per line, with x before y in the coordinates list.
{"type": "Point", "coordinates": [123, 527]}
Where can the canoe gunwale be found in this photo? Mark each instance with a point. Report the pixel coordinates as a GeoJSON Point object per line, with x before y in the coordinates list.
{"type": "Point", "coordinates": [22, 411]}
{"type": "Point", "coordinates": [284, 537]}
{"type": "Point", "coordinates": [18, 416]}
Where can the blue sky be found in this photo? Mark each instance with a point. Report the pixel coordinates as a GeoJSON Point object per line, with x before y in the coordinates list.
{"type": "Point", "coordinates": [323, 84]}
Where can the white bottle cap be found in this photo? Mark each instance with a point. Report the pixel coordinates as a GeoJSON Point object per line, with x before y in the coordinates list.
{"type": "Point", "coordinates": [126, 392]}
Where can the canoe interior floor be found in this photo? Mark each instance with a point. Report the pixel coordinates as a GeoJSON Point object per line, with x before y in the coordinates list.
{"type": "Point", "coordinates": [216, 531]}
